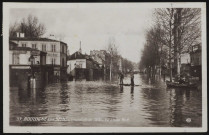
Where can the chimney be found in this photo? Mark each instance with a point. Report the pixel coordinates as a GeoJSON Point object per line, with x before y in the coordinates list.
{"type": "Point", "coordinates": [18, 34]}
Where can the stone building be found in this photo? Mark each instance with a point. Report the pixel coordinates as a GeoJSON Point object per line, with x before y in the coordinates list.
{"type": "Point", "coordinates": [83, 67]}
{"type": "Point", "coordinates": [56, 58]}
{"type": "Point", "coordinates": [21, 68]}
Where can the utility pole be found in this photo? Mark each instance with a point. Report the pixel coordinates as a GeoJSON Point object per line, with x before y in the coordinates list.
{"type": "Point", "coordinates": [111, 65]}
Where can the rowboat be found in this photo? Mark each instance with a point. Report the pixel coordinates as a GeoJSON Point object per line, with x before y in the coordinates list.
{"type": "Point", "coordinates": [178, 85]}
{"type": "Point", "coordinates": [128, 85]}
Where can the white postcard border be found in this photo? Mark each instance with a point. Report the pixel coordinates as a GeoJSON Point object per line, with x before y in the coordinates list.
{"type": "Point", "coordinates": [23, 129]}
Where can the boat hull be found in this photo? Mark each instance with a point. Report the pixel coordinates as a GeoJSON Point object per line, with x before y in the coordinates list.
{"type": "Point", "coordinates": [177, 85]}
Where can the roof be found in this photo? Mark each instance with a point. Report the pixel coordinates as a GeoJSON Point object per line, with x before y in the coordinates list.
{"type": "Point", "coordinates": [13, 43]}
{"type": "Point", "coordinates": [76, 55]}
{"type": "Point", "coordinates": [35, 39]}
{"type": "Point", "coordinates": [26, 49]}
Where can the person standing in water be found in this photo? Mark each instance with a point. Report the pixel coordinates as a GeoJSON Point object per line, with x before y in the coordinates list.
{"type": "Point", "coordinates": [132, 79]}
{"type": "Point", "coordinates": [121, 76]}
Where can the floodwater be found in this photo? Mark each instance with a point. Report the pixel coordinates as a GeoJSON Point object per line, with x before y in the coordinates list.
{"type": "Point", "coordinates": [101, 104]}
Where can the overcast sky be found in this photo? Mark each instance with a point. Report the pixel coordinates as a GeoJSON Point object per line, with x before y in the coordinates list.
{"type": "Point", "coordinates": [94, 26]}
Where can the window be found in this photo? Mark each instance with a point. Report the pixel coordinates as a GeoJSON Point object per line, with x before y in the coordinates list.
{"type": "Point", "coordinates": [24, 45]}
{"type": "Point", "coordinates": [63, 48]}
{"type": "Point", "coordinates": [34, 46]}
{"type": "Point", "coordinates": [53, 48]}
{"type": "Point", "coordinates": [63, 62]}
{"type": "Point", "coordinates": [43, 47]}
{"type": "Point", "coordinates": [52, 61]}
{"type": "Point", "coordinates": [16, 59]}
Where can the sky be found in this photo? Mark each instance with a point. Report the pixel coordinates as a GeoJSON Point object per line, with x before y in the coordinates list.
{"type": "Point", "coordinates": [94, 26]}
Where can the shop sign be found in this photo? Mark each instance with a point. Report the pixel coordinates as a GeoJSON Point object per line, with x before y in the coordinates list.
{"type": "Point", "coordinates": [20, 52]}
{"type": "Point", "coordinates": [20, 67]}
{"type": "Point", "coordinates": [35, 53]}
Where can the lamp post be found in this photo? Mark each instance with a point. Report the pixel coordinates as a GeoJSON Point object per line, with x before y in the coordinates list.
{"type": "Point", "coordinates": [111, 65]}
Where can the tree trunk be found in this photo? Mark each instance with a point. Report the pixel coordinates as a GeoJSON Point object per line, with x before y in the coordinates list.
{"type": "Point", "coordinates": [170, 64]}
{"type": "Point", "coordinates": [179, 10]}
{"type": "Point", "coordinates": [175, 43]}
{"type": "Point", "coordinates": [177, 40]}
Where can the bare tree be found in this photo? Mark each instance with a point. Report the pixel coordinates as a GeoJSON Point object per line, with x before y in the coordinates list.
{"type": "Point", "coordinates": [182, 30]}
{"type": "Point", "coordinates": [165, 18]}
{"type": "Point", "coordinates": [30, 26]}
{"type": "Point", "coordinates": [13, 28]}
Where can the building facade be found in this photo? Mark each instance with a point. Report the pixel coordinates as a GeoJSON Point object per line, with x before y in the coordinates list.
{"type": "Point", "coordinates": [56, 58]}
{"type": "Point", "coordinates": [83, 67]}
{"type": "Point", "coordinates": [21, 68]}
{"type": "Point", "coordinates": [196, 61]}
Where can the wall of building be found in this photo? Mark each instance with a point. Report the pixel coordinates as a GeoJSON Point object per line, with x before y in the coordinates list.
{"type": "Point", "coordinates": [53, 58]}
{"type": "Point", "coordinates": [10, 57]}
{"type": "Point", "coordinates": [63, 62]}
{"type": "Point", "coordinates": [23, 59]}
{"type": "Point", "coordinates": [71, 64]}
{"type": "Point", "coordinates": [196, 59]}
{"type": "Point", "coordinates": [185, 58]}
{"type": "Point", "coordinates": [52, 49]}
{"type": "Point", "coordinates": [39, 45]}
{"type": "Point", "coordinates": [56, 53]}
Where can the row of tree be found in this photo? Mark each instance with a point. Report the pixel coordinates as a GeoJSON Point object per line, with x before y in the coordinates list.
{"type": "Point", "coordinates": [174, 32]}
{"type": "Point", "coordinates": [117, 62]}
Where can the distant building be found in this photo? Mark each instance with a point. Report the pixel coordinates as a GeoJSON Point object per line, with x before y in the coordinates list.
{"type": "Point", "coordinates": [56, 58]}
{"type": "Point", "coordinates": [185, 64]}
{"type": "Point", "coordinates": [185, 58]}
{"type": "Point", "coordinates": [98, 56]}
{"type": "Point", "coordinates": [76, 60]}
{"type": "Point", "coordinates": [196, 61]}
{"type": "Point", "coordinates": [103, 58]}
{"type": "Point", "coordinates": [82, 67]}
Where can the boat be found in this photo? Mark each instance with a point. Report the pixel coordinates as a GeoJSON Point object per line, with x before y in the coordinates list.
{"type": "Point", "coordinates": [129, 84]}
{"type": "Point", "coordinates": [178, 85]}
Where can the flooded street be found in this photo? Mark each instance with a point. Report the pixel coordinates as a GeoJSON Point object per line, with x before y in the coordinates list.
{"type": "Point", "coordinates": [106, 105]}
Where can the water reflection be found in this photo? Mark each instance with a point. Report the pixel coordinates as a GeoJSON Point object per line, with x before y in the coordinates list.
{"type": "Point", "coordinates": [121, 89]}
{"type": "Point", "coordinates": [64, 98]}
{"type": "Point", "coordinates": [132, 94]}
{"type": "Point", "coordinates": [150, 104]}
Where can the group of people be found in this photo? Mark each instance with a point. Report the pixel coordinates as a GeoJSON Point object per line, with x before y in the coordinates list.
{"type": "Point", "coordinates": [121, 77]}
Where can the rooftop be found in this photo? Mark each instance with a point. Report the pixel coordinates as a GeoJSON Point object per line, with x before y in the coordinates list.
{"type": "Point", "coordinates": [35, 39]}
{"type": "Point", "coordinates": [12, 43]}
{"type": "Point", "coordinates": [76, 55]}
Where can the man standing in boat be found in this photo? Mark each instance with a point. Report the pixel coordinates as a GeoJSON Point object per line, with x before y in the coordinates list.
{"type": "Point", "coordinates": [121, 76]}
{"type": "Point", "coordinates": [132, 79]}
